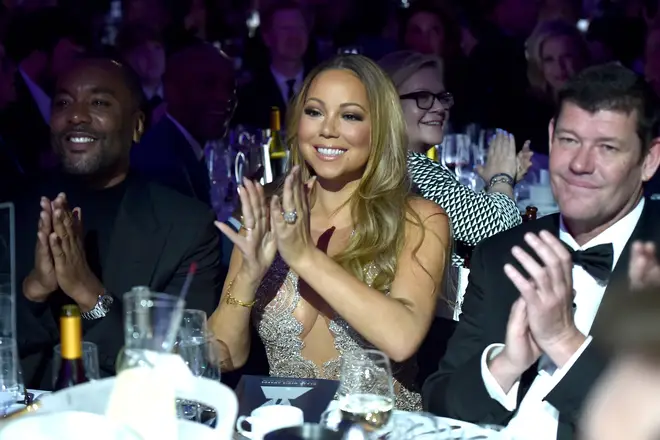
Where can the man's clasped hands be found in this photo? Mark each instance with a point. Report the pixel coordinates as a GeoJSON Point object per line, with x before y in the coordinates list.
{"type": "Point", "coordinates": [59, 258]}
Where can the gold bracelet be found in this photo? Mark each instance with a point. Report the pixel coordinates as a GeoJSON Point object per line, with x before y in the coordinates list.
{"type": "Point", "coordinates": [237, 302]}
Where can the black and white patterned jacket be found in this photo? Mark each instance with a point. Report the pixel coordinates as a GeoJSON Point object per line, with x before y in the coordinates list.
{"type": "Point", "coordinates": [473, 215]}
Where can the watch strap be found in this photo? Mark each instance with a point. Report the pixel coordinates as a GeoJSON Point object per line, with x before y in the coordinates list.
{"type": "Point", "coordinates": [502, 178]}
{"type": "Point", "coordinates": [100, 309]}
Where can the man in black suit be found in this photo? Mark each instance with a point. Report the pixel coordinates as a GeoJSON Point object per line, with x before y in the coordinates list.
{"type": "Point", "coordinates": [522, 353]}
{"type": "Point", "coordinates": [199, 89]}
{"type": "Point", "coordinates": [123, 231]}
{"type": "Point", "coordinates": [285, 32]}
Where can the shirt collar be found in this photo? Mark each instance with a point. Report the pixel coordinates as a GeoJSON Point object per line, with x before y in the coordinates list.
{"type": "Point", "coordinates": [281, 79]}
{"type": "Point", "coordinates": [196, 147]}
{"type": "Point", "coordinates": [618, 234]}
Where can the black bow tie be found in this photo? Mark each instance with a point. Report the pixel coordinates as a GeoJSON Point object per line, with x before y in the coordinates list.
{"type": "Point", "coordinates": [597, 261]}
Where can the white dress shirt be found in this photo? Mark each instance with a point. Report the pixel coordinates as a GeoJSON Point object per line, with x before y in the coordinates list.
{"type": "Point", "coordinates": [40, 97]}
{"type": "Point", "coordinates": [196, 147]}
{"type": "Point", "coordinates": [537, 419]}
{"type": "Point", "coordinates": [281, 80]}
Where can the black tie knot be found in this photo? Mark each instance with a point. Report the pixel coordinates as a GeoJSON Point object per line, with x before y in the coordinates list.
{"type": "Point", "coordinates": [596, 261]}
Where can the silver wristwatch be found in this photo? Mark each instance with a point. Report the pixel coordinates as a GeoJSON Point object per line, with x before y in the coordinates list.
{"type": "Point", "coordinates": [101, 308]}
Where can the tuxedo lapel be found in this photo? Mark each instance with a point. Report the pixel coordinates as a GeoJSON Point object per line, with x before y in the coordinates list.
{"type": "Point", "coordinates": [137, 241]}
{"type": "Point", "coordinates": [645, 230]}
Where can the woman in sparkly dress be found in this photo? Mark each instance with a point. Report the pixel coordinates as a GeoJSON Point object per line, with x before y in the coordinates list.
{"type": "Point", "coordinates": [343, 256]}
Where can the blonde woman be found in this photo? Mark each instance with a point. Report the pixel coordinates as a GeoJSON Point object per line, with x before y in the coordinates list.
{"type": "Point", "coordinates": [555, 51]}
{"type": "Point", "coordinates": [343, 256]}
{"type": "Point", "coordinates": [426, 104]}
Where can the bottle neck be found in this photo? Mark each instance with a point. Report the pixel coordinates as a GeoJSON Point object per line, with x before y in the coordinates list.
{"type": "Point", "coordinates": [71, 337]}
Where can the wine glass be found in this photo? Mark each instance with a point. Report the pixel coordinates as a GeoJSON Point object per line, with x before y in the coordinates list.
{"type": "Point", "coordinates": [366, 390]}
{"type": "Point", "coordinates": [199, 350]}
{"type": "Point", "coordinates": [456, 152]}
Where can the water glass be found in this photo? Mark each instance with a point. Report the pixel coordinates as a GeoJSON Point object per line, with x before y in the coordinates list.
{"type": "Point", "coordinates": [10, 387]}
{"type": "Point", "coordinates": [90, 357]}
{"type": "Point", "coordinates": [366, 390]}
{"type": "Point", "coordinates": [149, 320]}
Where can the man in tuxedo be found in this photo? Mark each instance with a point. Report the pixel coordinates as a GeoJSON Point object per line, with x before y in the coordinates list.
{"type": "Point", "coordinates": [523, 353]}
{"type": "Point", "coordinates": [123, 231]}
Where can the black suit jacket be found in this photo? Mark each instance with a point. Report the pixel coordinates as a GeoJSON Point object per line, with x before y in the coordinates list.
{"type": "Point", "coordinates": [256, 99]}
{"type": "Point", "coordinates": [165, 156]}
{"type": "Point", "coordinates": [457, 389]}
{"type": "Point", "coordinates": [157, 234]}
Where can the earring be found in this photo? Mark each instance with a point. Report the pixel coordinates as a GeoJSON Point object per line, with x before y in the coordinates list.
{"type": "Point", "coordinates": [137, 133]}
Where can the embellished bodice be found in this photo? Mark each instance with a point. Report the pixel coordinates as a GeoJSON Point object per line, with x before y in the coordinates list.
{"type": "Point", "coordinates": [281, 332]}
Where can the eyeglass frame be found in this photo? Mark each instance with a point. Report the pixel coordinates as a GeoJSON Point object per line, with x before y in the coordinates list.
{"type": "Point", "coordinates": [441, 97]}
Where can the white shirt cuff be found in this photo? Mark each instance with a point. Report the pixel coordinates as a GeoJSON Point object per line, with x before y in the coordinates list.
{"type": "Point", "coordinates": [507, 400]}
{"type": "Point", "coordinates": [559, 373]}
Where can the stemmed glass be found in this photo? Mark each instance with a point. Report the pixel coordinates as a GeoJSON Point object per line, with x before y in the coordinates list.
{"type": "Point", "coordinates": [366, 390]}
{"type": "Point", "coordinates": [456, 152]}
{"type": "Point", "coordinates": [201, 352]}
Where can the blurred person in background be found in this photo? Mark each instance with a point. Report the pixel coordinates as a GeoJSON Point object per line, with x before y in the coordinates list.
{"type": "Point", "coordinates": [199, 86]}
{"type": "Point", "coordinates": [167, 16]}
{"type": "Point", "coordinates": [556, 51]}
{"type": "Point", "coordinates": [285, 32]}
{"type": "Point", "coordinates": [624, 403]}
{"type": "Point", "coordinates": [428, 29]}
{"type": "Point", "coordinates": [498, 60]}
{"type": "Point", "coordinates": [566, 10]}
{"type": "Point", "coordinates": [142, 48]}
{"type": "Point", "coordinates": [652, 59]}
{"type": "Point", "coordinates": [42, 44]}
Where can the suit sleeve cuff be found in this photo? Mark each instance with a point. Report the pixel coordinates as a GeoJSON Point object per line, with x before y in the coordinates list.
{"type": "Point", "coordinates": [507, 400]}
{"type": "Point", "coordinates": [561, 372]}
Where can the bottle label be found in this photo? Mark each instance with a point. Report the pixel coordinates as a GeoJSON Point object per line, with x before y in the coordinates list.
{"type": "Point", "coordinates": [71, 334]}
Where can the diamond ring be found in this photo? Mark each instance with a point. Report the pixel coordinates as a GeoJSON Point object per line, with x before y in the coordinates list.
{"type": "Point", "coordinates": [290, 217]}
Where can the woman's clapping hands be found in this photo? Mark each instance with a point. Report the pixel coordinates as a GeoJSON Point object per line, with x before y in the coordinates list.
{"type": "Point", "coordinates": [283, 227]}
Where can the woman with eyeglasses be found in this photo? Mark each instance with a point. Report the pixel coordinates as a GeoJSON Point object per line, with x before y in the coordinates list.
{"type": "Point", "coordinates": [426, 104]}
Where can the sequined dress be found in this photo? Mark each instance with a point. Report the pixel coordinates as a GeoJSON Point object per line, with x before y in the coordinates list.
{"type": "Point", "coordinates": [273, 316]}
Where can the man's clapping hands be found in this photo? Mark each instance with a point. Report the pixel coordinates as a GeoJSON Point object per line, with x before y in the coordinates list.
{"type": "Point", "coordinates": [59, 257]}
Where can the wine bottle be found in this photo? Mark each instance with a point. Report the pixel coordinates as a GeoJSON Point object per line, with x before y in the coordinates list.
{"type": "Point", "coordinates": [276, 148]}
{"type": "Point", "coordinates": [72, 368]}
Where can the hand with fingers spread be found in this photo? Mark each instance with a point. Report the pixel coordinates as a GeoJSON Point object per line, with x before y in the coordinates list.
{"type": "Point", "coordinates": [501, 157]}
{"type": "Point", "coordinates": [524, 160]}
{"type": "Point", "coordinates": [72, 271]}
{"type": "Point", "coordinates": [548, 295]}
{"type": "Point", "coordinates": [643, 269]}
{"type": "Point", "coordinates": [42, 281]}
{"type": "Point", "coordinates": [520, 350]}
{"type": "Point", "coordinates": [290, 219]}
{"type": "Point", "coordinates": [257, 244]}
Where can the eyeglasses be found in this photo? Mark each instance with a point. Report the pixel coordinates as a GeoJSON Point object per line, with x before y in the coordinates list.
{"type": "Point", "coordinates": [425, 100]}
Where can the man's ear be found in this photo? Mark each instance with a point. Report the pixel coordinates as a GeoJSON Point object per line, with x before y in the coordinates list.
{"type": "Point", "coordinates": [651, 161]}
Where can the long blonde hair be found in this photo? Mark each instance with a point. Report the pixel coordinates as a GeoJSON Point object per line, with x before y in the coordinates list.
{"type": "Point", "coordinates": [379, 205]}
